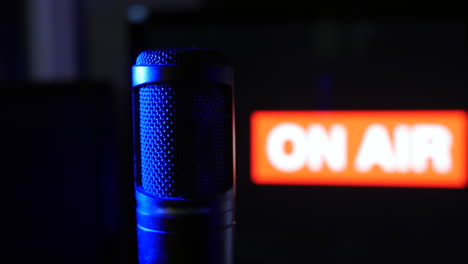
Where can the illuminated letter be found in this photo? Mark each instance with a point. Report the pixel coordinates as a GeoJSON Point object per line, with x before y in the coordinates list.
{"type": "Point", "coordinates": [431, 141]}
{"type": "Point", "coordinates": [327, 148]}
{"type": "Point", "coordinates": [402, 148]}
{"type": "Point", "coordinates": [277, 138]}
{"type": "Point", "coordinates": [375, 149]}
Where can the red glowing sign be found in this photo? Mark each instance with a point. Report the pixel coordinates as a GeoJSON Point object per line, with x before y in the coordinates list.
{"type": "Point", "coordinates": [359, 148]}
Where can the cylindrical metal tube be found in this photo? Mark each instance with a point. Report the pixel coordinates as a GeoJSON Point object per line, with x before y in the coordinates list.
{"type": "Point", "coordinates": [183, 154]}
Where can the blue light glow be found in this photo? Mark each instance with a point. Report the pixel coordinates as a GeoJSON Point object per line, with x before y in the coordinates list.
{"type": "Point", "coordinates": [157, 126]}
{"type": "Point", "coordinates": [137, 14]}
{"type": "Point", "coordinates": [152, 230]}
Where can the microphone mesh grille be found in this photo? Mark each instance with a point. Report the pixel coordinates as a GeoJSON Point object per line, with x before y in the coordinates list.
{"type": "Point", "coordinates": [167, 168]}
{"type": "Point", "coordinates": [179, 56]}
{"type": "Point", "coordinates": [157, 146]}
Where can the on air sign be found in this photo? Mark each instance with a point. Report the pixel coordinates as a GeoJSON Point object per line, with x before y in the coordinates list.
{"type": "Point", "coordinates": [359, 148]}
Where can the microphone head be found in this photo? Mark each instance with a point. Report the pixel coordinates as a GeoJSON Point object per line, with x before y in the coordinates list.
{"type": "Point", "coordinates": [182, 125]}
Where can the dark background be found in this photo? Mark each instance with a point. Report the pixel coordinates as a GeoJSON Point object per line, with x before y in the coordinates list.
{"type": "Point", "coordinates": [66, 133]}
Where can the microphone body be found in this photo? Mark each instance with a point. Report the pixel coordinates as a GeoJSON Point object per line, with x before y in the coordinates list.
{"type": "Point", "coordinates": [183, 131]}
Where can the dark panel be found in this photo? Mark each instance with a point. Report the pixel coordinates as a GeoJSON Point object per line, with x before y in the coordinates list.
{"type": "Point", "coordinates": [60, 156]}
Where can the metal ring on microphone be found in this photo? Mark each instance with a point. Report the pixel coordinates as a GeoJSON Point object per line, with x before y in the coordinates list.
{"type": "Point", "coordinates": [160, 73]}
{"type": "Point", "coordinates": [170, 215]}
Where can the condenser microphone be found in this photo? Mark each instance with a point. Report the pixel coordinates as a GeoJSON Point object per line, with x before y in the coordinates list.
{"type": "Point", "coordinates": [183, 122]}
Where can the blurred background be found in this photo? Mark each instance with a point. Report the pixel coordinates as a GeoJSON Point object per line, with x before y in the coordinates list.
{"type": "Point", "coordinates": [65, 72]}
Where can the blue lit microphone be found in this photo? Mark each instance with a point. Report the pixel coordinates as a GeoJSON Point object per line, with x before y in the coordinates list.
{"type": "Point", "coordinates": [183, 131]}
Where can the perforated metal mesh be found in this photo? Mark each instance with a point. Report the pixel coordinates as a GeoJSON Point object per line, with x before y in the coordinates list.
{"type": "Point", "coordinates": [210, 140]}
{"type": "Point", "coordinates": [179, 56]}
{"type": "Point", "coordinates": [157, 139]}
